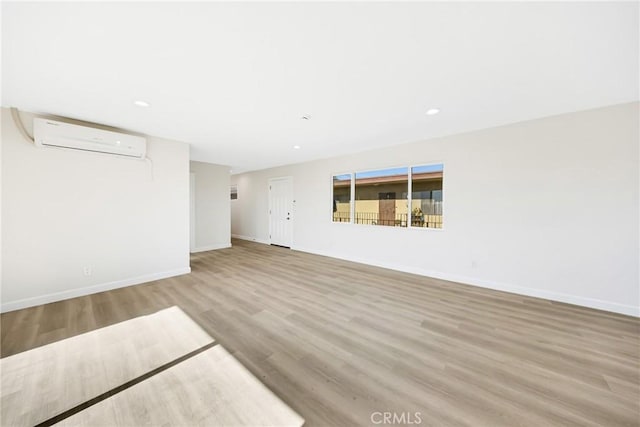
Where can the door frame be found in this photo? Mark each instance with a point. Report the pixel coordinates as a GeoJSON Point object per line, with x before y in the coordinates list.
{"type": "Point", "coordinates": [292, 220]}
{"type": "Point", "coordinates": [192, 212]}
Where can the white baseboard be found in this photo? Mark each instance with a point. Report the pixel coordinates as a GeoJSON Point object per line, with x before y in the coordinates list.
{"type": "Point", "coordinates": [79, 292]}
{"type": "Point", "coordinates": [249, 238]}
{"type": "Point", "coordinates": [211, 247]}
{"type": "Point", "coordinates": [628, 310]}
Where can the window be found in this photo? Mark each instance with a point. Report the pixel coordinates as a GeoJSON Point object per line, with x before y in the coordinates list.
{"type": "Point", "coordinates": [342, 198]}
{"type": "Point", "coordinates": [381, 197]}
{"type": "Point", "coordinates": [426, 196]}
{"type": "Point", "coordinates": [397, 197]}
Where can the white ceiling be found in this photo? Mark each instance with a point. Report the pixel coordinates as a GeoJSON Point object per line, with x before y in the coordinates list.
{"type": "Point", "coordinates": [233, 79]}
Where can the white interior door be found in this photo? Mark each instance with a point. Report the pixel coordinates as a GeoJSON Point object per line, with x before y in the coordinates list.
{"type": "Point", "coordinates": [281, 211]}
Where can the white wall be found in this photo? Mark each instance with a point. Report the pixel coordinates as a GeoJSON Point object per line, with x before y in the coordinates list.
{"type": "Point", "coordinates": [212, 210]}
{"type": "Point", "coordinates": [547, 208]}
{"type": "Point", "coordinates": [65, 210]}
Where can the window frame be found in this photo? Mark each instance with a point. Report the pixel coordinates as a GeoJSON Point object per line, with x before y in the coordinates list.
{"type": "Point", "coordinates": [351, 197]}
{"type": "Point", "coordinates": [409, 195]}
{"type": "Point", "coordinates": [410, 198]}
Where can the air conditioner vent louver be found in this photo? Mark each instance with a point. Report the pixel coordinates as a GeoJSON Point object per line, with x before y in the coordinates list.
{"type": "Point", "coordinates": [51, 133]}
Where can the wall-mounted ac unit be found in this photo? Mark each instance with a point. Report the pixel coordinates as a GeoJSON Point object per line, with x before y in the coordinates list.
{"type": "Point", "coordinates": [51, 133]}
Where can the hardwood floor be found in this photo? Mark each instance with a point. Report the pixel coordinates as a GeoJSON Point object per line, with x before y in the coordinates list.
{"type": "Point", "coordinates": [341, 342]}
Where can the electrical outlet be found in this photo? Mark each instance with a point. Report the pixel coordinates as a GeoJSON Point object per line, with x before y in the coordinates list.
{"type": "Point", "coordinates": [87, 270]}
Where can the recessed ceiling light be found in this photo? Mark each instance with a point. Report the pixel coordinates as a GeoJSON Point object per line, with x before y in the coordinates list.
{"type": "Point", "coordinates": [432, 111]}
{"type": "Point", "coordinates": [296, 147]}
{"type": "Point", "coordinates": [141, 103]}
